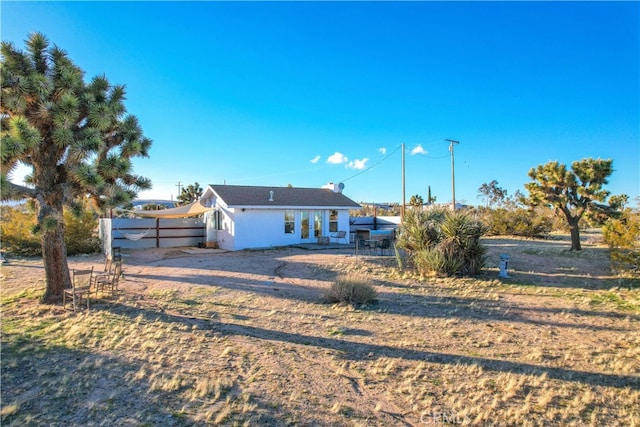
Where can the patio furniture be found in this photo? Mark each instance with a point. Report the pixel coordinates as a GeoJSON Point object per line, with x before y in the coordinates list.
{"type": "Point", "coordinates": [363, 245]}
{"type": "Point", "coordinates": [338, 235]}
{"type": "Point", "coordinates": [109, 282]}
{"type": "Point", "coordinates": [81, 281]}
{"type": "Point", "coordinates": [385, 245]}
{"type": "Point", "coordinates": [111, 260]}
{"type": "Point", "coordinates": [324, 240]}
{"type": "Point", "coordinates": [373, 245]}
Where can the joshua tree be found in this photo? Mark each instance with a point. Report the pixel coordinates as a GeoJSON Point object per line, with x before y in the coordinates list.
{"type": "Point", "coordinates": [571, 192]}
{"type": "Point", "coordinates": [76, 137]}
{"type": "Point", "coordinates": [416, 201]}
{"type": "Point", "coordinates": [190, 194]}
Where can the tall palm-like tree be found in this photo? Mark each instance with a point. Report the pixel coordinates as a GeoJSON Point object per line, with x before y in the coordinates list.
{"type": "Point", "coordinates": [76, 137]}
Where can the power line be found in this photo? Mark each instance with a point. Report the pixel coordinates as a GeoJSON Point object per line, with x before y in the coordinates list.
{"type": "Point", "coordinates": [373, 165]}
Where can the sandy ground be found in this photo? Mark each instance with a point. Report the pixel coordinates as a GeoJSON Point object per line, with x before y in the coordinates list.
{"type": "Point", "coordinates": [257, 321]}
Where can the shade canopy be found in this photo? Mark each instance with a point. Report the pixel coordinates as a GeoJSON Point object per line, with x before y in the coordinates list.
{"type": "Point", "coordinates": [192, 209]}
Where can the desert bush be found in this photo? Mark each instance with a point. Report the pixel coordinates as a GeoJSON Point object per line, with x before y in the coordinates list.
{"type": "Point", "coordinates": [622, 234]}
{"type": "Point", "coordinates": [420, 229]}
{"type": "Point", "coordinates": [518, 222]}
{"type": "Point", "coordinates": [351, 290]}
{"type": "Point", "coordinates": [19, 222]}
{"type": "Point", "coordinates": [81, 232]}
{"type": "Point", "coordinates": [16, 227]}
{"type": "Point", "coordinates": [442, 242]}
{"type": "Point", "coordinates": [434, 260]}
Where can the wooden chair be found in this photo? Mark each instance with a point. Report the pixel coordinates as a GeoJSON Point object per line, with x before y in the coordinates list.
{"type": "Point", "coordinates": [116, 256]}
{"type": "Point", "coordinates": [109, 282]}
{"type": "Point", "coordinates": [81, 282]}
{"type": "Point", "coordinates": [109, 264]}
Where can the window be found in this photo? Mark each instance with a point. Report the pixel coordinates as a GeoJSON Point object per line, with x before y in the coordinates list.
{"type": "Point", "coordinates": [333, 221]}
{"type": "Point", "coordinates": [289, 222]}
{"type": "Point", "coordinates": [218, 220]}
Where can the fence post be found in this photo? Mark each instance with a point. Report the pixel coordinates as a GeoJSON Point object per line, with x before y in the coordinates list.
{"type": "Point", "coordinates": [157, 232]}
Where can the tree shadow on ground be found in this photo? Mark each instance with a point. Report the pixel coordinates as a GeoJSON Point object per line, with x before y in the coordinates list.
{"type": "Point", "coordinates": [350, 350]}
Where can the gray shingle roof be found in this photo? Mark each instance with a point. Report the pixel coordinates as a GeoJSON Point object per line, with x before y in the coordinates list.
{"type": "Point", "coordinates": [242, 195]}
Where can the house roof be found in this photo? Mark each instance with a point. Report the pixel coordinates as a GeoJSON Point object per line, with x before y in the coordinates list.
{"type": "Point", "coordinates": [241, 195]}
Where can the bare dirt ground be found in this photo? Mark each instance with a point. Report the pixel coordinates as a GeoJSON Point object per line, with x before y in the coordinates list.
{"type": "Point", "coordinates": [243, 338]}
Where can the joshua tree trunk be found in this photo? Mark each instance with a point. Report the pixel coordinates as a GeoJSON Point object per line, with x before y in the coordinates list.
{"type": "Point", "coordinates": [573, 221]}
{"type": "Point", "coordinates": [54, 257]}
{"type": "Point", "coordinates": [575, 235]}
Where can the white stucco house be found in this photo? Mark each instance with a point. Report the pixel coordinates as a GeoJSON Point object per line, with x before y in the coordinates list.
{"type": "Point", "coordinates": [249, 217]}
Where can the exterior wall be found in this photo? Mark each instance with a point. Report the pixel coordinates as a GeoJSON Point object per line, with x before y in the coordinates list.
{"type": "Point", "coordinates": [343, 222]}
{"type": "Point", "coordinates": [264, 228]}
{"type": "Point", "coordinates": [253, 228]}
{"type": "Point", "coordinates": [226, 229]}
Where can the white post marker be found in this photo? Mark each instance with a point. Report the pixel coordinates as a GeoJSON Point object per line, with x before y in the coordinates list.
{"type": "Point", "coordinates": [504, 266]}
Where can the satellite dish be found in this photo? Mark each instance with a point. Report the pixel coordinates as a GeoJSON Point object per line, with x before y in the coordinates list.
{"type": "Point", "coordinates": [340, 187]}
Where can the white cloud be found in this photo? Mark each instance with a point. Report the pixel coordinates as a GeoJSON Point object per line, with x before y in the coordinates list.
{"type": "Point", "coordinates": [418, 150]}
{"type": "Point", "coordinates": [382, 150]}
{"type": "Point", "coordinates": [315, 160]}
{"type": "Point", "coordinates": [358, 164]}
{"type": "Point", "coordinates": [337, 158]}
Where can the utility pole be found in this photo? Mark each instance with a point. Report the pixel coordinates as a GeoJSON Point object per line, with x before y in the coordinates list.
{"type": "Point", "coordinates": [453, 180]}
{"type": "Point", "coordinates": [403, 195]}
{"type": "Point", "coordinates": [179, 185]}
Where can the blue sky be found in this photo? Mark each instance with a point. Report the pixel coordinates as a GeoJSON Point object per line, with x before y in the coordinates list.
{"type": "Point", "coordinates": [306, 93]}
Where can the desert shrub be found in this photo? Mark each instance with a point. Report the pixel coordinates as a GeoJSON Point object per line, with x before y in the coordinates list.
{"type": "Point", "coordinates": [518, 222]}
{"type": "Point", "coordinates": [622, 234]}
{"type": "Point", "coordinates": [443, 243]}
{"type": "Point", "coordinates": [16, 227]}
{"type": "Point", "coordinates": [80, 233]}
{"type": "Point", "coordinates": [351, 290]}
{"type": "Point", "coordinates": [19, 222]}
{"type": "Point", "coordinates": [434, 260]}
{"type": "Point", "coordinates": [420, 229]}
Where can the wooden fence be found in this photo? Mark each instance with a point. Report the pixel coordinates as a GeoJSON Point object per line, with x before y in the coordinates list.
{"type": "Point", "coordinates": [129, 233]}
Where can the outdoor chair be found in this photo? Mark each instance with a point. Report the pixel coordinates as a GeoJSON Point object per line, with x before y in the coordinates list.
{"type": "Point", "coordinates": [363, 245]}
{"type": "Point", "coordinates": [81, 281]}
{"type": "Point", "coordinates": [111, 260]}
{"type": "Point", "coordinates": [109, 282]}
{"type": "Point", "coordinates": [338, 235]}
{"type": "Point", "coordinates": [385, 245]}
{"type": "Point", "coordinates": [116, 256]}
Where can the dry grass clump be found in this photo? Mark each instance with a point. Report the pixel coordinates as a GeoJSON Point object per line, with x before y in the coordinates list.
{"type": "Point", "coordinates": [351, 290]}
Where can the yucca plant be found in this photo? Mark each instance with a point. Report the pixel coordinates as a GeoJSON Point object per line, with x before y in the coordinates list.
{"type": "Point", "coordinates": [442, 242]}
{"type": "Point", "coordinates": [462, 233]}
